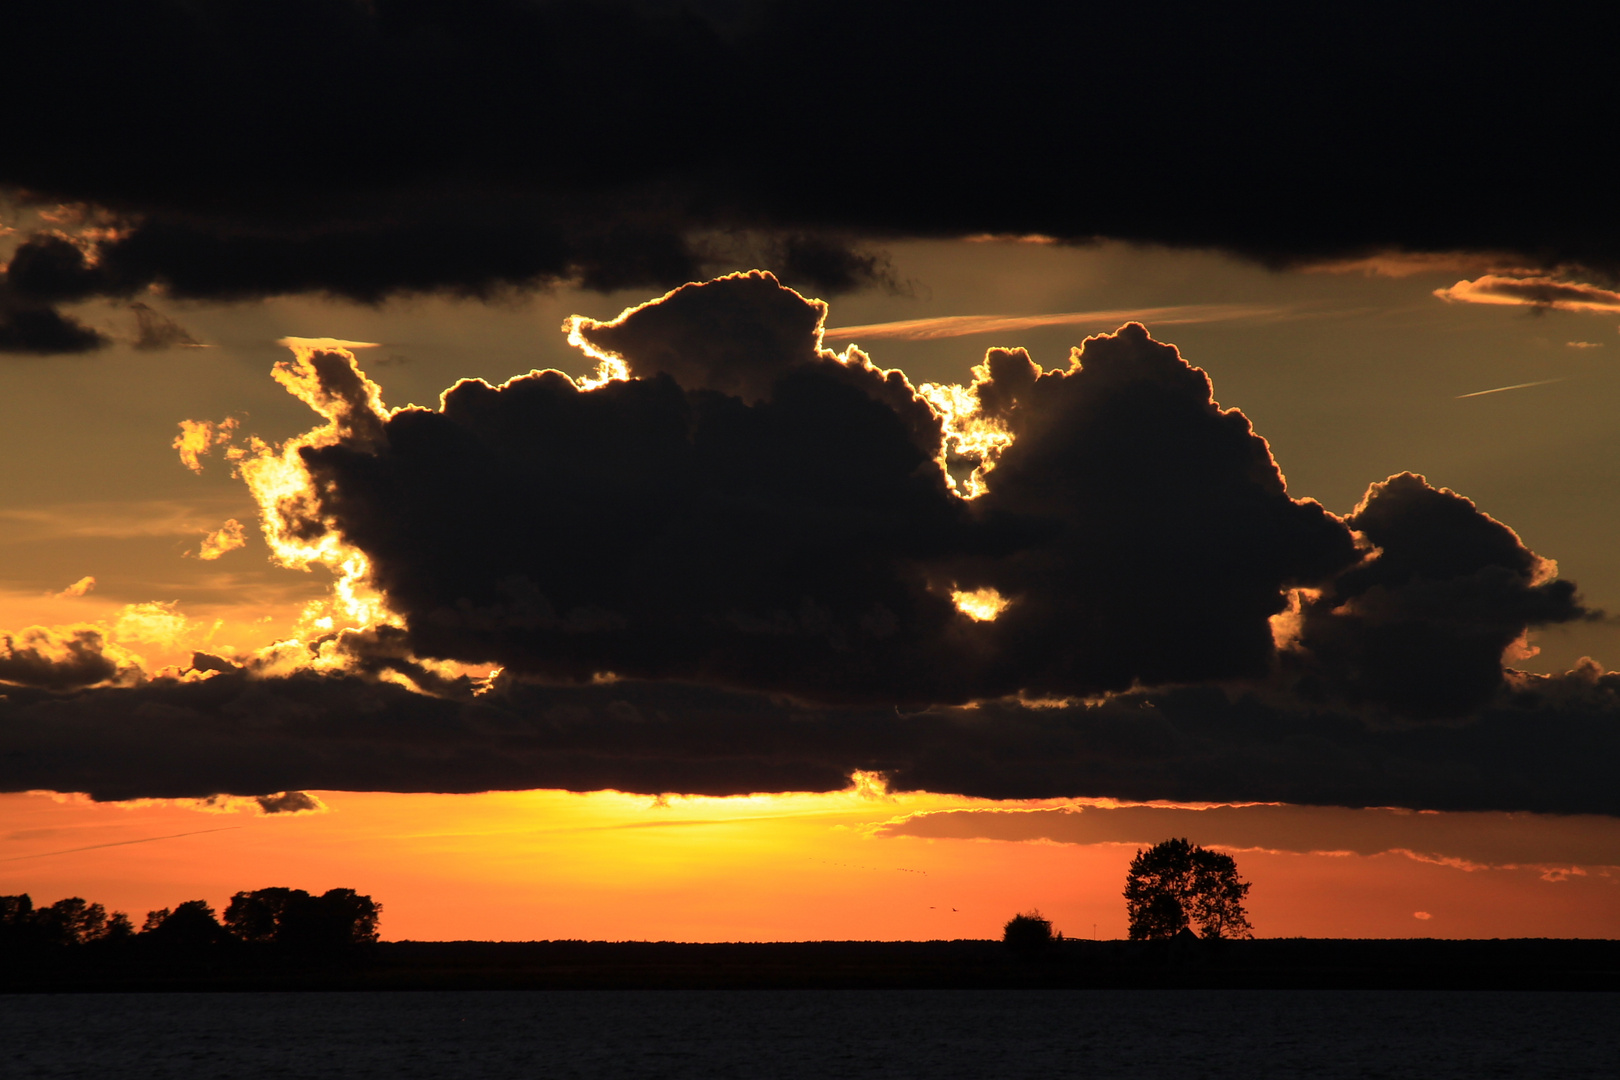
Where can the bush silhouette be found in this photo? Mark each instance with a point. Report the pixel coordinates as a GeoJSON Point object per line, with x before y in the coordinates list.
{"type": "Point", "coordinates": [1028, 934]}
{"type": "Point", "coordinates": [1175, 884]}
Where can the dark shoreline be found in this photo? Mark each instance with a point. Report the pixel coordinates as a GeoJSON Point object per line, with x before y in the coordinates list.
{"type": "Point", "coordinates": [1273, 963]}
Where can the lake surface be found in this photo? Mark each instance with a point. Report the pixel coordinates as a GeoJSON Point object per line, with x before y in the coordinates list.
{"type": "Point", "coordinates": [828, 1035]}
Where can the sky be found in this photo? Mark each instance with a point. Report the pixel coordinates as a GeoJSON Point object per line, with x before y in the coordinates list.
{"type": "Point", "coordinates": [617, 534]}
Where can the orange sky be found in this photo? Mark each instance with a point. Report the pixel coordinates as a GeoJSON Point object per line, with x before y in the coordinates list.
{"type": "Point", "coordinates": [549, 865]}
{"type": "Point", "coordinates": [1341, 371]}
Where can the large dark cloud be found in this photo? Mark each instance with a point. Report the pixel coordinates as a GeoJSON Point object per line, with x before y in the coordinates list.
{"type": "Point", "coordinates": [1421, 624]}
{"type": "Point", "coordinates": [1550, 747]}
{"type": "Point", "coordinates": [751, 512]}
{"type": "Point", "coordinates": [32, 328]}
{"type": "Point", "coordinates": [1166, 534]}
{"type": "Point", "coordinates": [368, 148]}
{"type": "Point", "coordinates": [739, 568]}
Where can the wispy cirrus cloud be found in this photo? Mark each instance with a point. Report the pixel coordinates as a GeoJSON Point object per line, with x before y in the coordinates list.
{"type": "Point", "coordinates": [952, 326]}
{"type": "Point", "coordinates": [111, 519]}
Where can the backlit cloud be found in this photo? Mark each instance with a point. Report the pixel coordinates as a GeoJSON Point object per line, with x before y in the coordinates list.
{"type": "Point", "coordinates": [734, 561]}
{"type": "Point", "coordinates": [62, 657]}
{"type": "Point", "coordinates": [751, 510]}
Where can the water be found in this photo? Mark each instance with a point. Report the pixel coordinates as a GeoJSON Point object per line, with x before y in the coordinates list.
{"type": "Point", "coordinates": [828, 1035]}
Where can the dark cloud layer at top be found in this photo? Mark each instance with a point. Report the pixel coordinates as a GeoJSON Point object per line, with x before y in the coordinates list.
{"type": "Point", "coordinates": [365, 149]}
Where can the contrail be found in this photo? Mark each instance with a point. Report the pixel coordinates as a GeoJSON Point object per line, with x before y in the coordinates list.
{"type": "Point", "coordinates": [121, 843]}
{"type": "Point", "coordinates": [948, 326]}
{"type": "Point", "coordinates": [1515, 386]}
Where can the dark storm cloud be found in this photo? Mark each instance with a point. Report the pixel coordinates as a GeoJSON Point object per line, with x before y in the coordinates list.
{"type": "Point", "coordinates": [1548, 748]}
{"type": "Point", "coordinates": [1422, 622]}
{"type": "Point", "coordinates": [751, 512]}
{"type": "Point", "coordinates": [737, 570]}
{"type": "Point", "coordinates": [1166, 531]}
{"type": "Point", "coordinates": [31, 328]}
{"type": "Point", "coordinates": [370, 148]}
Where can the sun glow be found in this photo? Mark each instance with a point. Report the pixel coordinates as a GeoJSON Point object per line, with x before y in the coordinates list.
{"type": "Point", "coordinates": [980, 605]}
{"type": "Point", "coordinates": [610, 367]}
{"type": "Point", "coordinates": [971, 438]}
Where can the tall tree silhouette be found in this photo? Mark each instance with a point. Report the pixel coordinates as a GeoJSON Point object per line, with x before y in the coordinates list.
{"type": "Point", "coordinates": [1176, 883]}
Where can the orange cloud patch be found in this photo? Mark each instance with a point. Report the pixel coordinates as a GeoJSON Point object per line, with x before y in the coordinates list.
{"type": "Point", "coordinates": [199, 437]}
{"type": "Point", "coordinates": [78, 588]}
{"type": "Point", "coordinates": [225, 539]}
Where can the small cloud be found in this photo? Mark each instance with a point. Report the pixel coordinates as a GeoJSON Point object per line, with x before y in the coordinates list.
{"type": "Point", "coordinates": [226, 538]}
{"type": "Point", "coordinates": [1424, 915]}
{"type": "Point", "coordinates": [324, 343]}
{"type": "Point", "coordinates": [1539, 292]}
{"type": "Point", "coordinates": [155, 330]}
{"type": "Point", "coordinates": [78, 588]}
{"type": "Point", "coordinates": [290, 802]}
{"type": "Point", "coordinates": [199, 437]}
{"type": "Point", "coordinates": [1583, 344]}
{"type": "Point", "coordinates": [280, 802]}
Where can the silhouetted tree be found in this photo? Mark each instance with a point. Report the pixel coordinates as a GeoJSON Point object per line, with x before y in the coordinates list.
{"type": "Point", "coordinates": [68, 922]}
{"type": "Point", "coordinates": [73, 921]}
{"type": "Point", "coordinates": [337, 921]}
{"type": "Point", "coordinates": [18, 931]}
{"type": "Point", "coordinates": [1176, 883]}
{"type": "Point", "coordinates": [257, 916]}
{"type": "Point", "coordinates": [191, 927]}
{"type": "Point", "coordinates": [1028, 933]}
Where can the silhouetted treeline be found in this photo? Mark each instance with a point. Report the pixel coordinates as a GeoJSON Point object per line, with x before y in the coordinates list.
{"type": "Point", "coordinates": [263, 925]}
{"type": "Point", "coordinates": [1185, 961]}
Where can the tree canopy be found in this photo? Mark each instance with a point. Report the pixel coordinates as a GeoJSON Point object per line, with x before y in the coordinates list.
{"type": "Point", "coordinates": [1176, 884]}
{"type": "Point", "coordinates": [268, 921]}
{"type": "Point", "coordinates": [293, 919]}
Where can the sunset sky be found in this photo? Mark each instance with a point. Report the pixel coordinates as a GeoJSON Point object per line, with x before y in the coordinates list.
{"type": "Point", "coordinates": [803, 605]}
